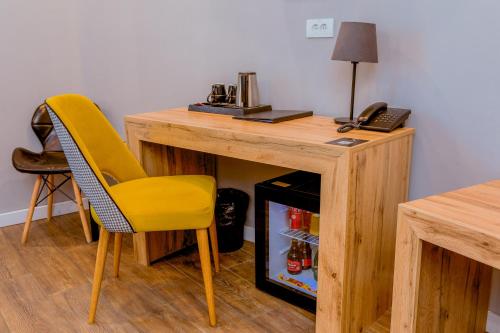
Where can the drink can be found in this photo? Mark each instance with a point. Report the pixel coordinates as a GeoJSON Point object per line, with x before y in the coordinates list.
{"type": "Point", "coordinates": [314, 227]}
{"type": "Point", "coordinates": [295, 218]}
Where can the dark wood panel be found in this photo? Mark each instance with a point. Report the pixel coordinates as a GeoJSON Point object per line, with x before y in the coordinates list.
{"type": "Point", "coordinates": [454, 292]}
{"type": "Point", "coordinates": [159, 160]}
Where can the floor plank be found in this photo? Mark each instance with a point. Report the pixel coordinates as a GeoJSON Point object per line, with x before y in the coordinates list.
{"type": "Point", "coordinates": [45, 287]}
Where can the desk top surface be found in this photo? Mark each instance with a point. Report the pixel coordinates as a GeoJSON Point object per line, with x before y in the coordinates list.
{"type": "Point", "coordinates": [476, 208]}
{"type": "Point", "coordinates": [313, 130]}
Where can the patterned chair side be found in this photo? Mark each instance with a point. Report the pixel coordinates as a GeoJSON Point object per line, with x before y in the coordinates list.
{"type": "Point", "coordinates": [108, 212]}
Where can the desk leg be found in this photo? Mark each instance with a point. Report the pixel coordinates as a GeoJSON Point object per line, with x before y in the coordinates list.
{"type": "Point", "coordinates": [436, 290]}
{"type": "Point", "coordinates": [159, 160]}
{"type": "Point", "coordinates": [406, 277]}
{"type": "Point", "coordinates": [333, 225]}
{"type": "Point", "coordinates": [359, 200]}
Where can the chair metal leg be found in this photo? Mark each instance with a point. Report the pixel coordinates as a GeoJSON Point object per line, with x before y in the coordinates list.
{"type": "Point", "coordinates": [203, 247]}
{"type": "Point", "coordinates": [31, 210]}
{"type": "Point", "coordinates": [215, 245]}
{"type": "Point", "coordinates": [81, 209]}
{"type": "Point", "coordinates": [102, 250]}
{"type": "Point", "coordinates": [50, 196]}
{"type": "Point", "coordinates": [117, 253]}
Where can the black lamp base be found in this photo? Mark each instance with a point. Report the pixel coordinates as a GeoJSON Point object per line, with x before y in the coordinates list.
{"type": "Point", "coordinates": [344, 120]}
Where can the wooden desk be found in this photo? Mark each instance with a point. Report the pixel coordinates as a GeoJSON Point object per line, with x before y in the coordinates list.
{"type": "Point", "coordinates": [361, 187]}
{"type": "Point", "coordinates": [446, 245]}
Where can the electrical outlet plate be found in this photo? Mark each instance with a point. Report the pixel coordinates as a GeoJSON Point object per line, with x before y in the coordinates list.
{"type": "Point", "coordinates": [319, 28]}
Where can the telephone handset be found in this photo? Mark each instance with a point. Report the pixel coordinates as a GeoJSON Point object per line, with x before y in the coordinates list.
{"type": "Point", "coordinates": [378, 117]}
{"type": "Point", "coordinates": [371, 111]}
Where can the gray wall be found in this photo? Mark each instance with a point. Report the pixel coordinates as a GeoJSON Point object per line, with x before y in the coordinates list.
{"type": "Point", "coordinates": [439, 58]}
{"type": "Point", "coordinates": [39, 56]}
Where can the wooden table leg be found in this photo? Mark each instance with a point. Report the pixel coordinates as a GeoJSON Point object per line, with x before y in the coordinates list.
{"type": "Point", "coordinates": [406, 278]}
{"type": "Point", "coordinates": [333, 224]}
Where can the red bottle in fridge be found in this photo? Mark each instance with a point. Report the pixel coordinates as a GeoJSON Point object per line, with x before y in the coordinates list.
{"type": "Point", "coordinates": [306, 252]}
{"type": "Point", "coordinates": [294, 259]}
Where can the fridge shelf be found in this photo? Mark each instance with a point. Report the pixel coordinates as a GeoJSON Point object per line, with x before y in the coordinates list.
{"type": "Point", "coordinates": [301, 236]}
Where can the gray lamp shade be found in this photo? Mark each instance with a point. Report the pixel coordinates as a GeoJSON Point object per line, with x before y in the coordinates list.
{"type": "Point", "coordinates": [356, 42]}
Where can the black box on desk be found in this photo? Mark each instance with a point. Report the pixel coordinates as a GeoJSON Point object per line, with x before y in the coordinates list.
{"type": "Point", "coordinates": [228, 109]}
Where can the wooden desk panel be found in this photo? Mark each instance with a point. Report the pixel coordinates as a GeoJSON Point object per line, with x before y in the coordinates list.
{"type": "Point", "coordinates": [160, 160]}
{"type": "Point", "coordinates": [361, 187]}
{"type": "Point", "coordinates": [304, 139]}
{"type": "Point", "coordinates": [447, 245]}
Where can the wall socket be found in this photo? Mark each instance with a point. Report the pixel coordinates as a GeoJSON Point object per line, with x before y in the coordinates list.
{"type": "Point", "coordinates": [319, 28]}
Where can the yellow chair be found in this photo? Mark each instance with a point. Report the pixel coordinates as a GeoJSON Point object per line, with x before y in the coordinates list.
{"type": "Point", "coordinates": [137, 203]}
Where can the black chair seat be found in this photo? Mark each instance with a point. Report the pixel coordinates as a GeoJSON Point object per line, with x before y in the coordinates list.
{"type": "Point", "coordinates": [47, 162]}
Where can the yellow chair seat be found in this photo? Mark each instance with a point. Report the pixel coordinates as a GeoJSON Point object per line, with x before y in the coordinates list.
{"type": "Point", "coordinates": [166, 203]}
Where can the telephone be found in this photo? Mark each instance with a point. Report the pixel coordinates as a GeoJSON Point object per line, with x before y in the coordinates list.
{"type": "Point", "coordinates": [378, 117]}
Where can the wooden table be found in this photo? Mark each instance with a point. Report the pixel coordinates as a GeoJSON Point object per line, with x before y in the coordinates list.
{"type": "Point", "coordinates": [361, 187]}
{"type": "Point", "coordinates": [446, 246]}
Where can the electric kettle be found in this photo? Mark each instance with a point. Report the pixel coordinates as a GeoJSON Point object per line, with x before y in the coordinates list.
{"type": "Point", "coordinates": [247, 92]}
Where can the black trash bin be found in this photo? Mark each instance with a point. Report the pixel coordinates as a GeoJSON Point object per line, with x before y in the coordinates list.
{"type": "Point", "coordinates": [230, 215]}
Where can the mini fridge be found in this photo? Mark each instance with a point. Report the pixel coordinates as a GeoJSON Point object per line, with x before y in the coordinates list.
{"type": "Point", "coordinates": [287, 237]}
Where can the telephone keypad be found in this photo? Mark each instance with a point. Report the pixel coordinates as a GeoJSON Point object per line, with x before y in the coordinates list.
{"type": "Point", "coordinates": [385, 118]}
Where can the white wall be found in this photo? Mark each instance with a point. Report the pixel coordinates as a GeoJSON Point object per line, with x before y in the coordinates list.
{"type": "Point", "coordinates": [440, 58]}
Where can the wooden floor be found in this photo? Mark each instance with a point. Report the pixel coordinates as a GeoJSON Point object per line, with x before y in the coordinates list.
{"type": "Point", "coordinates": [45, 287]}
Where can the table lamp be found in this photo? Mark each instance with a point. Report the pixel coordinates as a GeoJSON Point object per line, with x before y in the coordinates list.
{"type": "Point", "coordinates": [356, 42]}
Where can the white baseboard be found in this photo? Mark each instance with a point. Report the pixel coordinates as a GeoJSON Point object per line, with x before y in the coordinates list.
{"type": "Point", "coordinates": [493, 323]}
{"type": "Point", "coordinates": [19, 216]}
{"type": "Point", "coordinates": [249, 234]}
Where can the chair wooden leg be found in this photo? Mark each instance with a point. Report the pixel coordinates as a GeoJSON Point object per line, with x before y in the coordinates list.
{"type": "Point", "coordinates": [81, 209]}
{"type": "Point", "coordinates": [215, 245]}
{"type": "Point", "coordinates": [102, 250]}
{"type": "Point", "coordinates": [31, 210]}
{"type": "Point", "coordinates": [203, 247]}
{"type": "Point", "coordinates": [50, 197]}
{"type": "Point", "coordinates": [117, 253]}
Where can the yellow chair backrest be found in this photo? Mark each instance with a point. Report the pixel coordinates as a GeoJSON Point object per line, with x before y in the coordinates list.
{"type": "Point", "coordinates": [93, 148]}
{"type": "Point", "coordinates": [90, 128]}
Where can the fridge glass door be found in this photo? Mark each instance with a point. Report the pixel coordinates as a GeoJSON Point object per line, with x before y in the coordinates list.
{"type": "Point", "coordinates": [280, 233]}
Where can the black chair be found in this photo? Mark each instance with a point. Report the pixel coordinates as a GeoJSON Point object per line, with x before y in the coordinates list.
{"type": "Point", "coordinates": [47, 164]}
